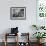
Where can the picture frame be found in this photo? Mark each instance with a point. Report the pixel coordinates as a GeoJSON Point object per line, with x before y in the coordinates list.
{"type": "Point", "coordinates": [41, 9]}
{"type": "Point", "coordinates": [40, 12]}
{"type": "Point", "coordinates": [18, 13]}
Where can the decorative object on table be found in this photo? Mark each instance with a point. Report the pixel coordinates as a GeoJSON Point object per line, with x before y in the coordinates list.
{"type": "Point", "coordinates": [18, 13]}
{"type": "Point", "coordinates": [14, 30]}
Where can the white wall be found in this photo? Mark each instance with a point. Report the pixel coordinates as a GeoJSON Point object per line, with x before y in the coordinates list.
{"type": "Point", "coordinates": [24, 25]}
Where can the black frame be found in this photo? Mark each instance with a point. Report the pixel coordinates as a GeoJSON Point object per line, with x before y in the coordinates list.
{"type": "Point", "coordinates": [17, 18]}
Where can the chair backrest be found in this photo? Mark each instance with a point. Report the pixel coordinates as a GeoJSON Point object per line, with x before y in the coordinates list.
{"type": "Point", "coordinates": [24, 37]}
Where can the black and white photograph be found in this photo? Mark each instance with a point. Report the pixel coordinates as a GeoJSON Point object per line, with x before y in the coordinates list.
{"type": "Point", "coordinates": [17, 13]}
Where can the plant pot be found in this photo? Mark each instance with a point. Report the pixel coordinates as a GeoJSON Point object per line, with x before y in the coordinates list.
{"type": "Point", "coordinates": [40, 40]}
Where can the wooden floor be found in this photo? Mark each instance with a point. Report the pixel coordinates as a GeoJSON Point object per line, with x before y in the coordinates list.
{"type": "Point", "coordinates": [13, 44]}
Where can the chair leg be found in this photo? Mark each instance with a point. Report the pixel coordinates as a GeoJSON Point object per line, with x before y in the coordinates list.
{"type": "Point", "coordinates": [5, 43]}
{"type": "Point", "coordinates": [5, 39]}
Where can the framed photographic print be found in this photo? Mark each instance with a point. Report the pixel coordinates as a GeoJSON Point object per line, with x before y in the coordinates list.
{"type": "Point", "coordinates": [18, 13]}
{"type": "Point", "coordinates": [41, 12]}
{"type": "Point", "coordinates": [41, 8]}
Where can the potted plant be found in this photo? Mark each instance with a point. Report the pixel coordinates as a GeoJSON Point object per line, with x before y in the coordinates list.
{"type": "Point", "coordinates": [35, 26]}
{"type": "Point", "coordinates": [39, 35]}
